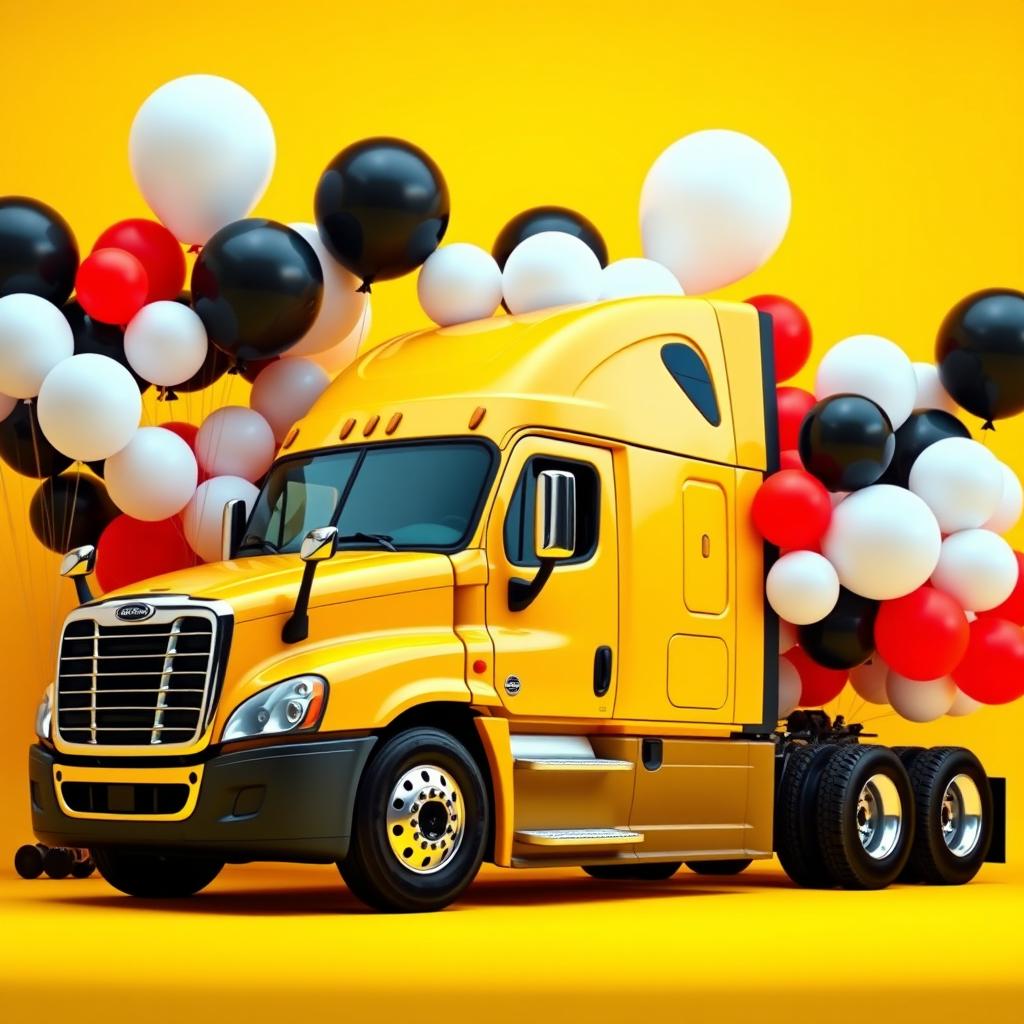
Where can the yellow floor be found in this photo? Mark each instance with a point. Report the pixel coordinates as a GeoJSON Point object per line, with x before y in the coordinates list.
{"type": "Point", "coordinates": [268, 941]}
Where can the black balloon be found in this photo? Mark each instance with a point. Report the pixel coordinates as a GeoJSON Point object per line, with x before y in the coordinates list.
{"type": "Point", "coordinates": [100, 339]}
{"type": "Point", "coordinates": [215, 365]}
{"type": "Point", "coordinates": [980, 352]}
{"type": "Point", "coordinates": [845, 638]}
{"type": "Point", "coordinates": [921, 429]}
{"type": "Point", "coordinates": [382, 208]}
{"type": "Point", "coordinates": [23, 447]}
{"type": "Point", "coordinates": [257, 286]}
{"type": "Point", "coordinates": [548, 218]}
{"type": "Point", "coordinates": [69, 511]}
{"type": "Point", "coordinates": [847, 442]}
{"type": "Point", "coordinates": [38, 252]}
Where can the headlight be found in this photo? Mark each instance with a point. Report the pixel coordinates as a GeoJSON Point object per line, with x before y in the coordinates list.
{"type": "Point", "coordinates": [43, 717]}
{"type": "Point", "coordinates": [296, 705]}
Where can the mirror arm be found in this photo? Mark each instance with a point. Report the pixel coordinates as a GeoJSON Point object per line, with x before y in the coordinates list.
{"type": "Point", "coordinates": [297, 627]}
{"type": "Point", "coordinates": [522, 593]}
{"type": "Point", "coordinates": [82, 590]}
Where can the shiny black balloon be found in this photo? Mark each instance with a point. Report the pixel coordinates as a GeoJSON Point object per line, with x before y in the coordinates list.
{"type": "Point", "coordinates": [382, 208]}
{"type": "Point", "coordinates": [101, 339]}
{"type": "Point", "coordinates": [921, 429]}
{"type": "Point", "coordinates": [69, 511]}
{"type": "Point", "coordinates": [38, 252]}
{"type": "Point", "coordinates": [845, 638]}
{"type": "Point", "coordinates": [847, 442]}
{"type": "Point", "coordinates": [257, 286]}
{"type": "Point", "coordinates": [215, 365]}
{"type": "Point", "coordinates": [980, 352]}
{"type": "Point", "coordinates": [23, 447]}
{"type": "Point", "coordinates": [548, 218]}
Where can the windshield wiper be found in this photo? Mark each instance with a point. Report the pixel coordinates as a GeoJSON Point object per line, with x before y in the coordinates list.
{"type": "Point", "coordinates": [383, 539]}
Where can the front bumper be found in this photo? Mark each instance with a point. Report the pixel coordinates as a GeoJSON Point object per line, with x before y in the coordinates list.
{"type": "Point", "coordinates": [288, 802]}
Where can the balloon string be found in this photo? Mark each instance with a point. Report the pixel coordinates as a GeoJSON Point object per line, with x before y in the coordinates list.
{"type": "Point", "coordinates": [19, 558]}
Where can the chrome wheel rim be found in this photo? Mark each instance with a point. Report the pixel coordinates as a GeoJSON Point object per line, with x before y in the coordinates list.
{"type": "Point", "coordinates": [425, 823]}
{"type": "Point", "coordinates": [879, 816]}
{"type": "Point", "coordinates": [961, 816]}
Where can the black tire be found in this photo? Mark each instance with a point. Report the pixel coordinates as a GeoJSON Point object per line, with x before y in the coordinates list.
{"type": "Point", "coordinates": [83, 868]}
{"type": "Point", "coordinates": [153, 875]}
{"type": "Point", "coordinates": [718, 867]}
{"type": "Point", "coordinates": [932, 861]}
{"type": "Point", "coordinates": [28, 861]}
{"type": "Point", "coordinates": [796, 817]}
{"type": "Point", "coordinates": [641, 871]}
{"type": "Point", "coordinates": [908, 755]}
{"type": "Point", "coordinates": [869, 859]}
{"type": "Point", "coordinates": [402, 878]}
{"type": "Point", "coordinates": [58, 862]}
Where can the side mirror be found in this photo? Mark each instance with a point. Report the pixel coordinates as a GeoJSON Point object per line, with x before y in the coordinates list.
{"type": "Point", "coordinates": [232, 528]}
{"type": "Point", "coordinates": [318, 546]}
{"type": "Point", "coordinates": [77, 564]}
{"type": "Point", "coordinates": [555, 515]}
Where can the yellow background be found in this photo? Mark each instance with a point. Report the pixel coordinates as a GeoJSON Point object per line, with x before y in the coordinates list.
{"type": "Point", "coordinates": [898, 124]}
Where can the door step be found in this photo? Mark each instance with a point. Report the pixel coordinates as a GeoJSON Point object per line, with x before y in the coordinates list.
{"type": "Point", "coordinates": [572, 764]}
{"type": "Point", "coordinates": [578, 837]}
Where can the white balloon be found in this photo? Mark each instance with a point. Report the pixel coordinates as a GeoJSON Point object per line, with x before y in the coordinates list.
{"type": "Point", "coordinates": [550, 269]}
{"type": "Point", "coordinates": [34, 338]}
{"type": "Point", "coordinates": [459, 283]}
{"type": "Point", "coordinates": [715, 206]}
{"type": "Point", "coordinates": [624, 279]}
{"type": "Point", "coordinates": [235, 441]}
{"type": "Point", "coordinates": [202, 151]}
{"type": "Point", "coordinates": [154, 476]}
{"type": "Point", "coordinates": [788, 638]}
{"type": "Point", "coordinates": [336, 358]}
{"type": "Point", "coordinates": [802, 587]}
{"type": "Point", "coordinates": [883, 541]}
{"type": "Point", "coordinates": [874, 367]}
{"type": "Point", "coordinates": [285, 391]}
{"type": "Point", "coordinates": [960, 480]}
{"type": "Point", "coordinates": [204, 514]}
{"type": "Point", "coordinates": [165, 343]}
{"type": "Point", "coordinates": [89, 407]}
{"type": "Point", "coordinates": [7, 405]}
{"type": "Point", "coordinates": [790, 688]}
{"type": "Point", "coordinates": [1009, 506]}
{"type": "Point", "coordinates": [963, 705]}
{"type": "Point", "coordinates": [930, 392]}
{"type": "Point", "coordinates": [869, 680]}
{"type": "Point", "coordinates": [920, 701]}
{"type": "Point", "coordinates": [977, 568]}
{"type": "Point", "coordinates": [343, 304]}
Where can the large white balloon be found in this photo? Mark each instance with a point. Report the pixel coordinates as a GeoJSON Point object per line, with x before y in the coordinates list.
{"type": "Point", "coordinates": [204, 514]}
{"type": "Point", "coordinates": [459, 283]}
{"type": "Point", "coordinates": [624, 279]}
{"type": "Point", "coordinates": [336, 358]}
{"type": "Point", "coordinates": [343, 304]}
{"type": "Point", "coordinates": [154, 476]}
{"type": "Point", "coordinates": [930, 392]}
{"type": "Point", "coordinates": [202, 151]}
{"type": "Point", "coordinates": [550, 269]}
{"type": "Point", "coordinates": [715, 206]}
{"type": "Point", "coordinates": [802, 587]}
{"type": "Point", "coordinates": [7, 405]}
{"type": "Point", "coordinates": [34, 338]}
{"type": "Point", "coordinates": [790, 688]}
{"type": "Point", "coordinates": [1010, 505]}
{"type": "Point", "coordinates": [285, 391]}
{"type": "Point", "coordinates": [960, 480]}
{"type": "Point", "coordinates": [874, 367]}
{"type": "Point", "coordinates": [89, 407]}
{"type": "Point", "coordinates": [920, 701]}
{"type": "Point", "coordinates": [869, 680]}
{"type": "Point", "coordinates": [235, 441]}
{"type": "Point", "coordinates": [963, 705]}
{"type": "Point", "coordinates": [883, 541]}
{"type": "Point", "coordinates": [977, 568]}
{"type": "Point", "coordinates": [165, 343]}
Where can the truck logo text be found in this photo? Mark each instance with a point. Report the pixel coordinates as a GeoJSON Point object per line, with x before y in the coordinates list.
{"type": "Point", "coordinates": [134, 612]}
{"type": "Point", "coordinates": [513, 685]}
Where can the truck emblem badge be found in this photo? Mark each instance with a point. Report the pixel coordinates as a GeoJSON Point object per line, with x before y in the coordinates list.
{"type": "Point", "coordinates": [513, 685]}
{"type": "Point", "coordinates": [134, 612]}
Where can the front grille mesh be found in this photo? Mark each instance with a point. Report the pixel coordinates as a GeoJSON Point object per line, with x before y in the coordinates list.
{"type": "Point", "coordinates": [134, 685]}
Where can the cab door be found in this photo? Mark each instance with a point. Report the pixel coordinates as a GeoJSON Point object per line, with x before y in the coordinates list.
{"type": "Point", "coordinates": [557, 658]}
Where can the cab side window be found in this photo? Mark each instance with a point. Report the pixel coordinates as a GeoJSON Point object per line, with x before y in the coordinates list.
{"type": "Point", "coordinates": [519, 522]}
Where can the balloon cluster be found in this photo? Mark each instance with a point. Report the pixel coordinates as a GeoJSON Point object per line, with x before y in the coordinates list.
{"type": "Point", "coordinates": [893, 571]}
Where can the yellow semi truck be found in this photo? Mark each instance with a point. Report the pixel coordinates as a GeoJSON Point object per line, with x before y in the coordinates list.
{"type": "Point", "coordinates": [499, 599]}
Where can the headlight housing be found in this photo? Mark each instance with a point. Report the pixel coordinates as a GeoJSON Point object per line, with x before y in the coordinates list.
{"type": "Point", "coordinates": [44, 716]}
{"type": "Point", "coordinates": [295, 705]}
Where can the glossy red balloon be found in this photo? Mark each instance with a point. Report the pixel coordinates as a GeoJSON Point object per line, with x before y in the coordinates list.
{"type": "Point", "coordinates": [130, 550]}
{"type": "Point", "coordinates": [111, 286]}
{"type": "Point", "coordinates": [158, 251]}
{"type": "Point", "coordinates": [792, 510]}
{"type": "Point", "coordinates": [790, 459]}
{"type": "Point", "coordinates": [922, 635]}
{"type": "Point", "coordinates": [792, 333]}
{"type": "Point", "coordinates": [819, 685]}
{"type": "Point", "coordinates": [1013, 607]}
{"type": "Point", "coordinates": [794, 405]}
{"type": "Point", "coordinates": [992, 670]}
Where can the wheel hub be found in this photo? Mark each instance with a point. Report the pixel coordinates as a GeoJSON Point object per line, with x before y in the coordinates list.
{"type": "Point", "coordinates": [960, 816]}
{"type": "Point", "coordinates": [879, 816]}
{"type": "Point", "coordinates": [425, 823]}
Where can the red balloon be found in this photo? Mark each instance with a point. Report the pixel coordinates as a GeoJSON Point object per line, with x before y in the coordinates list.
{"type": "Point", "coordinates": [819, 684]}
{"type": "Point", "coordinates": [792, 510]}
{"type": "Point", "coordinates": [186, 431]}
{"type": "Point", "coordinates": [111, 286]}
{"type": "Point", "coordinates": [922, 635]}
{"type": "Point", "coordinates": [1013, 607]}
{"type": "Point", "coordinates": [792, 333]}
{"type": "Point", "coordinates": [794, 405]}
{"type": "Point", "coordinates": [155, 248]}
{"type": "Point", "coordinates": [790, 459]}
{"type": "Point", "coordinates": [992, 670]}
{"type": "Point", "coordinates": [130, 550]}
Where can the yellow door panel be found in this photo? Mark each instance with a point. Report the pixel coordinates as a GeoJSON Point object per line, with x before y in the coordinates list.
{"type": "Point", "coordinates": [698, 671]}
{"type": "Point", "coordinates": [705, 547]}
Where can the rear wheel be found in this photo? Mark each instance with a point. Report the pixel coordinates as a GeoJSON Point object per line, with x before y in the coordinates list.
{"type": "Point", "coordinates": [642, 871]}
{"type": "Point", "coordinates": [152, 874]}
{"type": "Point", "coordinates": [718, 867]}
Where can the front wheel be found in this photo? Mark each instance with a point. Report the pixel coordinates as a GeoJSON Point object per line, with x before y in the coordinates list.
{"type": "Point", "coordinates": [153, 874]}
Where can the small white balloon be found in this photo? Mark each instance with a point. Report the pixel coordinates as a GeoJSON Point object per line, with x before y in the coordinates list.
{"type": "Point", "coordinates": [883, 541]}
{"type": "Point", "coordinates": [285, 391]}
{"type": "Point", "coordinates": [89, 407]}
{"type": "Point", "coordinates": [715, 206]}
{"type": "Point", "coordinates": [336, 358]}
{"type": "Point", "coordinates": [930, 392]}
{"type": "Point", "coordinates": [624, 279]}
{"type": "Point", "coordinates": [235, 441]}
{"type": "Point", "coordinates": [1010, 504]}
{"type": "Point", "coordinates": [802, 587]}
{"type": "Point", "coordinates": [790, 688]}
{"type": "Point", "coordinates": [869, 680]}
{"type": "Point", "coordinates": [960, 480]}
{"type": "Point", "coordinates": [788, 638]}
{"type": "Point", "coordinates": [963, 705]}
{"type": "Point", "coordinates": [459, 283]}
{"type": "Point", "coordinates": [154, 476]}
{"type": "Point", "coordinates": [919, 701]}
{"type": "Point", "coordinates": [7, 405]}
{"type": "Point", "coordinates": [165, 343]}
{"type": "Point", "coordinates": [550, 269]}
{"type": "Point", "coordinates": [204, 514]}
{"type": "Point", "coordinates": [34, 338]}
{"type": "Point", "coordinates": [977, 568]}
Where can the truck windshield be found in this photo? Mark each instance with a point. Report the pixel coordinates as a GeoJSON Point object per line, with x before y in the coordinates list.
{"type": "Point", "coordinates": [423, 496]}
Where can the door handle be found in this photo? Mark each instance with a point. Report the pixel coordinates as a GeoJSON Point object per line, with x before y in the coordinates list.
{"type": "Point", "coordinates": [602, 671]}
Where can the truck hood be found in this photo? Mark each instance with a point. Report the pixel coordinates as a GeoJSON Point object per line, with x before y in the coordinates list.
{"type": "Point", "coordinates": [267, 585]}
